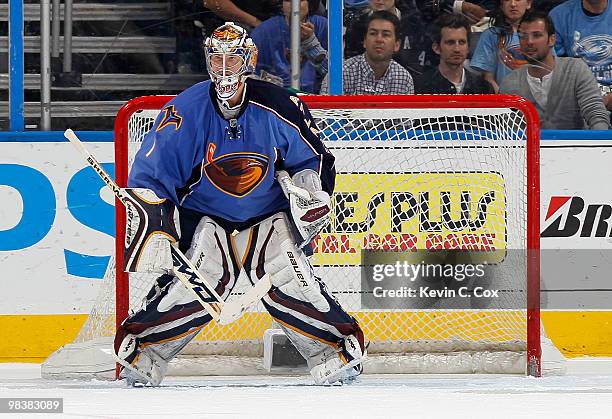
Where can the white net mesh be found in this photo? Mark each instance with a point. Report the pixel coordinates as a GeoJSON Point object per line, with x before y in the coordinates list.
{"type": "Point", "coordinates": [407, 179]}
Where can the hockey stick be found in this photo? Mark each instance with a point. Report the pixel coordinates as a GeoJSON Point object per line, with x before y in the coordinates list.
{"type": "Point", "coordinates": [221, 311]}
{"type": "Point", "coordinates": [286, 184]}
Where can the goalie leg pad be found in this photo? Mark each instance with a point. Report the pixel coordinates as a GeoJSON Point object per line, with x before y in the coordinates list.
{"type": "Point", "coordinates": [168, 311]}
{"type": "Point", "coordinates": [148, 339]}
{"type": "Point", "coordinates": [312, 319]}
{"type": "Point", "coordinates": [274, 252]}
{"type": "Point", "coordinates": [139, 365]}
{"type": "Point", "coordinates": [211, 254]}
{"type": "Point", "coordinates": [329, 361]}
{"type": "Point", "coordinates": [170, 317]}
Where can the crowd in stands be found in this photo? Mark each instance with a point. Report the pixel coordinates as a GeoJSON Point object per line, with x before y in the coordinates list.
{"type": "Point", "coordinates": [555, 53]}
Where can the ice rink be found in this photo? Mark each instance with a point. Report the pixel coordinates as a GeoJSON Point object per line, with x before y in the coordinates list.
{"type": "Point", "coordinates": [585, 392]}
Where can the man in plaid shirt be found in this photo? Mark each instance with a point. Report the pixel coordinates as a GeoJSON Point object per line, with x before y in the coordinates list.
{"type": "Point", "coordinates": [375, 72]}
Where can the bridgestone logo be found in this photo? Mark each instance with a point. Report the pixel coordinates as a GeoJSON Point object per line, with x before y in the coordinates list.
{"type": "Point", "coordinates": [577, 219]}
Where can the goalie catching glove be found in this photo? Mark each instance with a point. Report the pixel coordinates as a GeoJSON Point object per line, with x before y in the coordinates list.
{"type": "Point", "coordinates": [310, 205]}
{"type": "Point", "coordinates": [151, 228]}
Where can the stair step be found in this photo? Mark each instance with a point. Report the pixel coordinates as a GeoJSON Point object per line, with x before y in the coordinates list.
{"type": "Point", "coordinates": [117, 82]}
{"type": "Point", "coordinates": [104, 44]}
{"type": "Point", "coordinates": [99, 11]}
{"type": "Point", "coordinates": [76, 109]}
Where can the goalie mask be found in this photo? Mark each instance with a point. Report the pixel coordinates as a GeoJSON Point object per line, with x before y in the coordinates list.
{"type": "Point", "coordinates": [230, 55]}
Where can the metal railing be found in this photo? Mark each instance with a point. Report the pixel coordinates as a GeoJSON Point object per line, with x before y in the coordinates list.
{"type": "Point", "coordinates": [96, 11]}
{"type": "Point", "coordinates": [55, 13]}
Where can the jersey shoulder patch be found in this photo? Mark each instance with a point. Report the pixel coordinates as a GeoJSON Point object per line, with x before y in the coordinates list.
{"type": "Point", "coordinates": [170, 117]}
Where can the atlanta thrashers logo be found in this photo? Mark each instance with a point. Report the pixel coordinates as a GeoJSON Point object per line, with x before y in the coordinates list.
{"type": "Point", "coordinates": [236, 174]}
{"type": "Point", "coordinates": [171, 117]}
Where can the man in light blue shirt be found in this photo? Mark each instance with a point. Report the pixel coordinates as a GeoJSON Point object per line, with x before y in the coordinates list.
{"type": "Point", "coordinates": [584, 30]}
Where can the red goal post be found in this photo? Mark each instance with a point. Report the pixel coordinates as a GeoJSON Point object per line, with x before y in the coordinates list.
{"type": "Point", "coordinates": [429, 104]}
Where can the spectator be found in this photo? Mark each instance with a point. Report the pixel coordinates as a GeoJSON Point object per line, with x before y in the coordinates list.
{"type": "Point", "coordinates": [375, 71]}
{"type": "Point", "coordinates": [414, 53]}
{"type": "Point", "coordinates": [451, 42]}
{"type": "Point", "coordinates": [247, 13]}
{"type": "Point", "coordinates": [584, 30]}
{"type": "Point", "coordinates": [273, 40]}
{"type": "Point", "coordinates": [563, 89]}
{"type": "Point", "coordinates": [355, 20]}
{"type": "Point", "coordinates": [498, 52]}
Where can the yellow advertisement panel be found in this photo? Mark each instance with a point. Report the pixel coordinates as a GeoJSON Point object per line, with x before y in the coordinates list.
{"type": "Point", "coordinates": [413, 211]}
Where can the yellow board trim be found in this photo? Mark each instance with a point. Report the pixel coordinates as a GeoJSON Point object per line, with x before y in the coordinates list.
{"type": "Point", "coordinates": [31, 338]}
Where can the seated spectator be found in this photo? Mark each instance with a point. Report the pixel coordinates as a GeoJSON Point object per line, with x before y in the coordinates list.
{"type": "Point", "coordinates": [355, 20]}
{"type": "Point", "coordinates": [498, 52]}
{"type": "Point", "coordinates": [563, 89]}
{"type": "Point", "coordinates": [273, 40]}
{"type": "Point", "coordinates": [584, 30]}
{"type": "Point", "coordinates": [246, 13]}
{"type": "Point", "coordinates": [414, 53]}
{"type": "Point", "coordinates": [451, 42]}
{"type": "Point", "coordinates": [375, 72]}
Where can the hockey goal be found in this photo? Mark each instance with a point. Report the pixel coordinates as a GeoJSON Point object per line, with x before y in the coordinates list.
{"type": "Point", "coordinates": [422, 180]}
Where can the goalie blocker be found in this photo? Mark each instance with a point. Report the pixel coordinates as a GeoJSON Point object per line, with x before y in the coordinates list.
{"type": "Point", "coordinates": [151, 227]}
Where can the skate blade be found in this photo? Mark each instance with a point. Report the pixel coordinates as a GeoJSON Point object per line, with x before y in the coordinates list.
{"type": "Point", "coordinates": [332, 379]}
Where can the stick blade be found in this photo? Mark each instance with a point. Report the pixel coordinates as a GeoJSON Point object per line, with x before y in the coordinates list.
{"type": "Point", "coordinates": [232, 311]}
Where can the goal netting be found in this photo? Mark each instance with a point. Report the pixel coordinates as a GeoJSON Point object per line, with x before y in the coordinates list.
{"type": "Point", "coordinates": [436, 181]}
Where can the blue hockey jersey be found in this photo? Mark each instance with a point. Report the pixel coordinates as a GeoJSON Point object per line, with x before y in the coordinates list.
{"type": "Point", "coordinates": [226, 168]}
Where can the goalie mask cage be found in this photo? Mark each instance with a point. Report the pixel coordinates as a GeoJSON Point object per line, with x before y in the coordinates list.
{"type": "Point", "coordinates": [401, 162]}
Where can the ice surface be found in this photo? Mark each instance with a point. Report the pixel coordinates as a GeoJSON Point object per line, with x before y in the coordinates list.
{"type": "Point", "coordinates": [586, 392]}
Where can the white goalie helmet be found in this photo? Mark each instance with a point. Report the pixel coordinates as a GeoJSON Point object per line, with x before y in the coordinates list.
{"type": "Point", "coordinates": [230, 55]}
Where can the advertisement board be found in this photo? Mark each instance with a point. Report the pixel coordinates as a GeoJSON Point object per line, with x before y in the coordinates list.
{"type": "Point", "coordinates": [56, 227]}
{"type": "Point", "coordinates": [57, 230]}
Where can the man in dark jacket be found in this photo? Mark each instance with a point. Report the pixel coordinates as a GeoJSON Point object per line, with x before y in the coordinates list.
{"type": "Point", "coordinates": [450, 41]}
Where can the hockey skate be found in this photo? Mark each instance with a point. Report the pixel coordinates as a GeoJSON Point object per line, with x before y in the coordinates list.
{"type": "Point", "coordinates": [343, 366]}
{"type": "Point", "coordinates": [139, 367]}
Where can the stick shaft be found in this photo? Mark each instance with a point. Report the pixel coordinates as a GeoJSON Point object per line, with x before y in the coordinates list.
{"type": "Point", "coordinates": [195, 285]}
